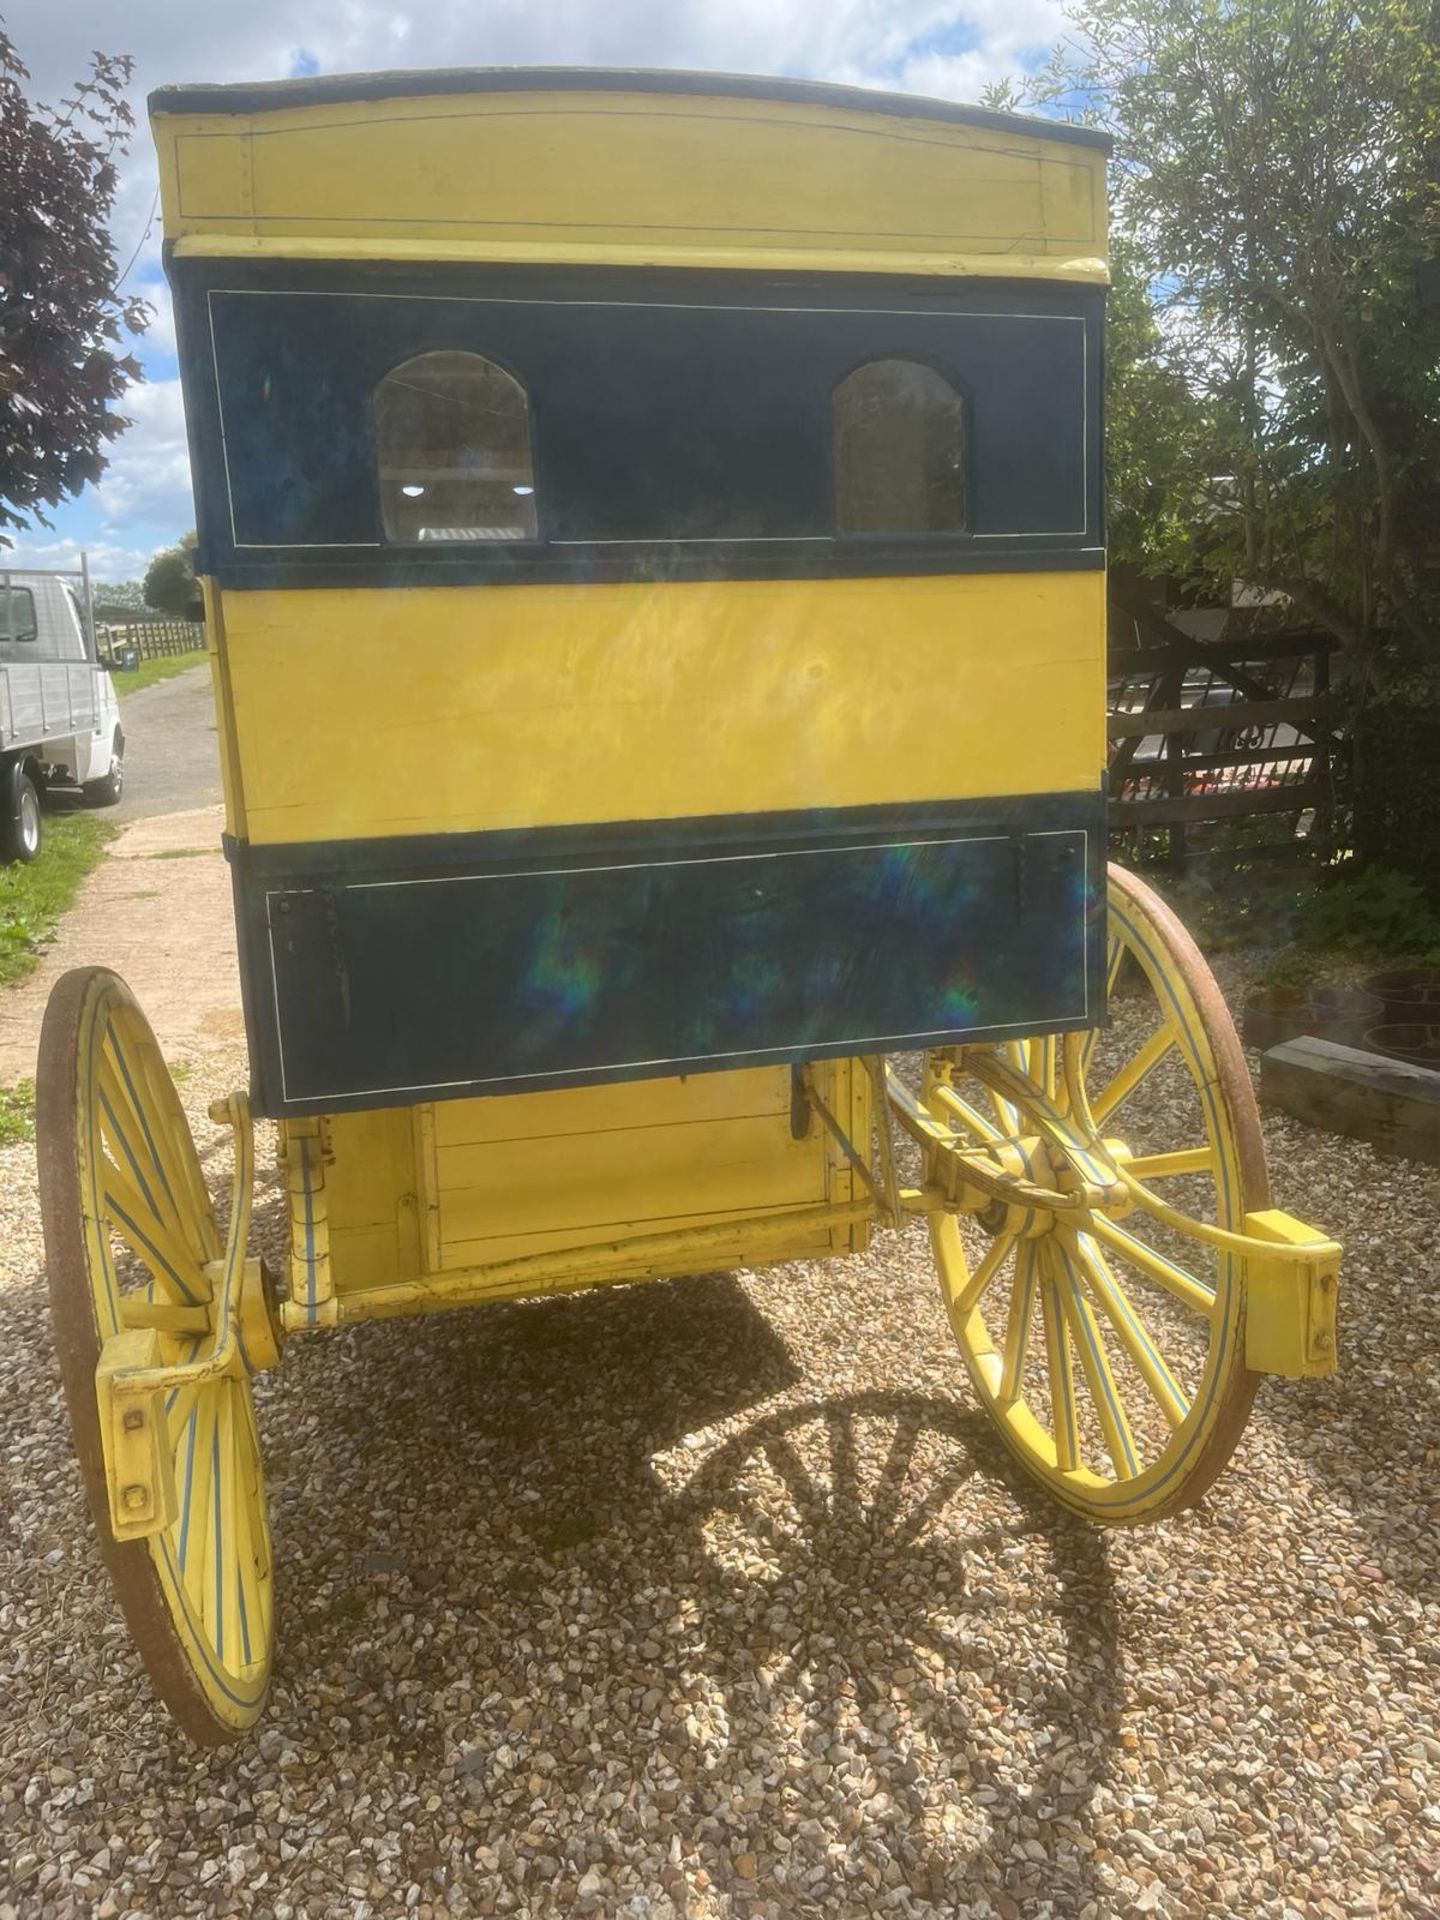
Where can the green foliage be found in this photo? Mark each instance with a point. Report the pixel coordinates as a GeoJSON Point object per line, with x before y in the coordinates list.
{"type": "Point", "coordinates": [1295, 967]}
{"type": "Point", "coordinates": [118, 599]}
{"type": "Point", "coordinates": [17, 1113]}
{"type": "Point", "coordinates": [33, 897]}
{"type": "Point", "coordinates": [1157, 431]}
{"type": "Point", "coordinates": [170, 583]}
{"type": "Point", "coordinates": [61, 318]}
{"type": "Point", "coordinates": [1396, 748]}
{"type": "Point", "coordinates": [1373, 914]}
{"type": "Point", "coordinates": [1275, 191]}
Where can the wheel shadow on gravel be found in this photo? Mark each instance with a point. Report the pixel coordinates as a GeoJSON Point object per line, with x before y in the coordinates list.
{"type": "Point", "coordinates": [605, 1595]}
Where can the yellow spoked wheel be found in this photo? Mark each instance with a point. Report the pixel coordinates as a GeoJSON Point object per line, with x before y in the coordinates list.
{"type": "Point", "coordinates": [132, 1244]}
{"type": "Point", "coordinates": [1106, 1340]}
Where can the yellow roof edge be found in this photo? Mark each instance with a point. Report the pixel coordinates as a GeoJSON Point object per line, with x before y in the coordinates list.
{"type": "Point", "coordinates": [1087, 269]}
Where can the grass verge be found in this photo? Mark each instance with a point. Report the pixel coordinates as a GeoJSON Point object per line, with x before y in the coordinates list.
{"type": "Point", "coordinates": [149, 671]}
{"type": "Point", "coordinates": [17, 1113]}
{"type": "Point", "coordinates": [33, 897]}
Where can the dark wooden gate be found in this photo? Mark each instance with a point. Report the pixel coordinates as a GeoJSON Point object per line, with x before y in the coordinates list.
{"type": "Point", "coordinates": [1224, 751]}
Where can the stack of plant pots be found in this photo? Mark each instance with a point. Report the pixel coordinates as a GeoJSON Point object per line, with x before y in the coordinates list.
{"type": "Point", "coordinates": [1342, 1014]}
{"type": "Point", "coordinates": [1409, 1026]}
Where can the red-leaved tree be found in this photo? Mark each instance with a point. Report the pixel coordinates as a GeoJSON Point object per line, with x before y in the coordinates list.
{"type": "Point", "coordinates": [63, 365]}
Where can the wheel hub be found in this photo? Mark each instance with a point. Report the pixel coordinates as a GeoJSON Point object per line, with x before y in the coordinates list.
{"type": "Point", "coordinates": [1021, 1159]}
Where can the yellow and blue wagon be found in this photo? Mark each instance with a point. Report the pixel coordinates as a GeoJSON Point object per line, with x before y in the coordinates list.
{"type": "Point", "coordinates": [651, 529]}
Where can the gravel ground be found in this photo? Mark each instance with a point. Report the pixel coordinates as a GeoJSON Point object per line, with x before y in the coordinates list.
{"type": "Point", "coordinates": [718, 1598]}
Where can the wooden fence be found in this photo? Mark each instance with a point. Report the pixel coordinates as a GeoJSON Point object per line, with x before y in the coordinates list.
{"type": "Point", "coordinates": [152, 639]}
{"type": "Point", "coordinates": [1207, 735]}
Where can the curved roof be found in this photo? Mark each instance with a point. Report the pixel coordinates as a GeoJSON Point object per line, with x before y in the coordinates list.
{"type": "Point", "coordinates": [329, 89]}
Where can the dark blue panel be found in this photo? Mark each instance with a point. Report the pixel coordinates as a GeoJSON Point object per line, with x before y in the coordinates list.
{"type": "Point", "coordinates": [675, 420]}
{"type": "Point", "coordinates": [568, 966]}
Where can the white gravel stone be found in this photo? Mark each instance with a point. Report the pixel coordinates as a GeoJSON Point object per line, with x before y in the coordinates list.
{"type": "Point", "coordinates": [718, 1598]}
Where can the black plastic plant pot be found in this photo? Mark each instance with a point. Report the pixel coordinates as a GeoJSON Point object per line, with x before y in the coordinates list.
{"type": "Point", "coordinates": [1342, 1014]}
{"type": "Point", "coordinates": [1414, 1042]}
{"type": "Point", "coordinates": [1410, 994]}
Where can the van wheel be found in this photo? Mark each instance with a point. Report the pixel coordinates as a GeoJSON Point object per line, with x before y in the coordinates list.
{"type": "Point", "coordinates": [20, 828]}
{"type": "Point", "coordinates": [106, 791]}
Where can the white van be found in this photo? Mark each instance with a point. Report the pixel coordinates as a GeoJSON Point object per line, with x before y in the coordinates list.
{"type": "Point", "coordinates": [59, 718]}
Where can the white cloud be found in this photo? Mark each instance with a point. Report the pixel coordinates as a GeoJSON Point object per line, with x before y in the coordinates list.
{"type": "Point", "coordinates": [148, 479]}
{"type": "Point", "coordinates": [920, 46]}
{"type": "Point", "coordinates": [936, 46]}
{"type": "Point", "coordinates": [107, 562]}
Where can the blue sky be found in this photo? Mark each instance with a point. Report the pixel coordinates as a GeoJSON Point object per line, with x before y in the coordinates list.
{"type": "Point", "coordinates": [143, 500]}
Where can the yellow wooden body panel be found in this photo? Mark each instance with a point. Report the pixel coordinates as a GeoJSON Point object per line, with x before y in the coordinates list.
{"type": "Point", "coordinates": [452, 709]}
{"type": "Point", "coordinates": [427, 1190]}
{"type": "Point", "coordinates": [632, 178]}
{"type": "Point", "coordinates": [359, 714]}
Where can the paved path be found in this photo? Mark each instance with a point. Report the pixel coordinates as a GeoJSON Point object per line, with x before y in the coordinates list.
{"type": "Point", "coordinates": [157, 908]}
{"type": "Point", "coordinates": [172, 752]}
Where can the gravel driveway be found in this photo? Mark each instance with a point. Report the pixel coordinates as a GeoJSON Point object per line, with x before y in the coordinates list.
{"type": "Point", "coordinates": [717, 1598]}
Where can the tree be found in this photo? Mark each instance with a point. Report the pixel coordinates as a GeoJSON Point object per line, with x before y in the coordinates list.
{"type": "Point", "coordinates": [121, 596]}
{"type": "Point", "coordinates": [1276, 186]}
{"type": "Point", "coordinates": [170, 583]}
{"type": "Point", "coordinates": [61, 317]}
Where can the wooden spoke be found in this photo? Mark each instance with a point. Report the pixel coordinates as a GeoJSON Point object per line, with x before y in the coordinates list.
{"type": "Point", "coordinates": [1131, 1331]}
{"type": "Point", "coordinates": [1041, 1064]}
{"type": "Point", "coordinates": [220, 1557]}
{"type": "Point", "coordinates": [1066, 1426]}
{"type": "Point", "coordinates": [1195, 1293]}
{"type": "Point", "coordinates": [985, 1271]}
{"type": "Point", "coordinates": [1095, 1363]}
{"type": "Point", "coordinates": [169, 1262]}
{"type": "Point", "coordinates": [1166, 1166]}
{"type": "Point", "coordinates": [954, 1103]}
{"type": "Point", "coordinates": [1015, 1054]}
{"type": "Point", "coordinates": [1017, 1330]}
{"type": "Point", "coordinates": [179, 1406]}
{"type": "Point", "coordinates": [122, 1134]}
{"type": "Point", "coordinates": [251, 1568]}
{"type": "Point", "coordinates": [193, 1488]}
{"type": "Point", "coordinates": [186, 1181]}
{"type": "Point", "coordinates": [1157, 1396]}
{"type": "Point", "coordinates": [1132, 1074]}
{"type": "Point", "coordinates": [164, 1316]}
{"type": "Point", "coordinates": [125, 1087]}
{"type": "Point", "coordinates": [1114, 959]}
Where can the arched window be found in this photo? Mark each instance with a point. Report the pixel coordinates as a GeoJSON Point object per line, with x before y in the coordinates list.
{"type": "Point", "coordinates": [899, 430]}
{"type": "Point", "coordinates": [454, 446]}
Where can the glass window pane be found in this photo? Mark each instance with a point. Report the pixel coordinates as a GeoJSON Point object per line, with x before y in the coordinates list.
{"type": "Point", "coordinates": [17, 614]}
{"type": "Point", "coordinates": [899, 450]}
{"type": "Point", "coordinates": [454, 447]}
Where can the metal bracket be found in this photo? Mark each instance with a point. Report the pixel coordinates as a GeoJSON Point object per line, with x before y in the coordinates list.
{"type": "Point", "coordinates": [1292, 1287]}
{"type": "Point", "coordinates": [134, 1435]}
{"type": "Point", "coordinates": [133, 1380]}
